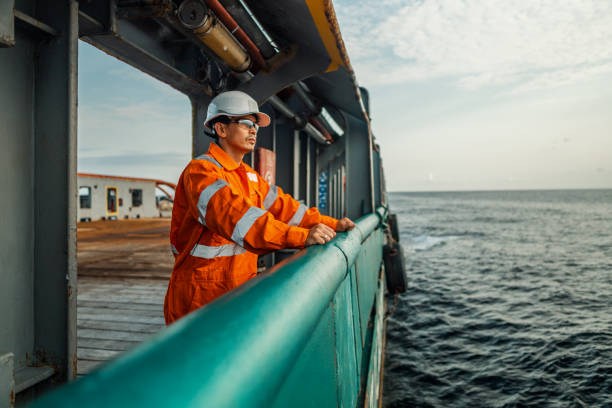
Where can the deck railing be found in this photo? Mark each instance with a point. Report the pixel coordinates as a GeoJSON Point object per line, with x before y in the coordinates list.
{"type": "Point", "coordinates": [295, 336]}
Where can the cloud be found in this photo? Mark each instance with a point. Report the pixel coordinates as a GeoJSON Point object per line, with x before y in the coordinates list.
{"type": "Point", "coordinates": [136, 158]}
{"type": "Point", "coordinates": [143, 124]}
{"type": "Point", "coordinates": [138, 138]}
{"type": "Point", "coordinates": [124, 72]}
{"type": "Point", "coordinates": [161, 165]}
{"type": "Point", "coordinates": [562, 77]}
{"type": "Point", "coordinates": [476, 43]}
{"type": "Point", "coordinates": [142, 111]}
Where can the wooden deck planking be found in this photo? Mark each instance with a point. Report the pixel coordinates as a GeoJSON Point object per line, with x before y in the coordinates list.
{"type": "Point", "coordinates": [119, 335]}
{"type": "Point", "coordinates": [111, 298]}
{"type": "Point", "coordinates": [114, 316]}
{"type": "Point", "coordinates": [117, 345]}
{"type": "Point", "coordinates": [119, 305]}
{"type": "Point", "coordinates": [119, 326]}
{"type": "Point", "coordinates": [123, 269]}
{"type": "Point", "coordinates": [107, 311]}
{"type": "Point", "coordinates": [85, 366]}
{"type": "Point", "coordinates": [96, 354]}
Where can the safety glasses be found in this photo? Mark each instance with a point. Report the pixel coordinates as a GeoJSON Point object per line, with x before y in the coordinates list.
{"type": "Point", "coordinates": [247, 122]}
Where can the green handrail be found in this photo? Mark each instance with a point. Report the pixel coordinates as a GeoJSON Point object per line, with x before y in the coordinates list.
{"type": "Point", "coordinates": [234, 352]}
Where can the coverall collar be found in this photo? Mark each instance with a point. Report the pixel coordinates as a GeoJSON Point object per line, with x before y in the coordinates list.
{"type": "Point", "coordinates": [223, 158]}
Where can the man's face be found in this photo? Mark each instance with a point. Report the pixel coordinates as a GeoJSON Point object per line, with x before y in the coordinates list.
{"type": "Point", "coordinates": [238, 136]}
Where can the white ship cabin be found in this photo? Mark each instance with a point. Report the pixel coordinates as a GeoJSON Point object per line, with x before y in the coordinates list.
{"type": "Point", "coordinates": [103, 197]}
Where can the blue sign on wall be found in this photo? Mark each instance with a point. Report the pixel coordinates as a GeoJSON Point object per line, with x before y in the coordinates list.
{"type": "Point", "coordinates": [322, 199]}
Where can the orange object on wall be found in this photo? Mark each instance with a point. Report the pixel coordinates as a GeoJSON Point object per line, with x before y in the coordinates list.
{"type": "Point", "coordinates": [265, 164]}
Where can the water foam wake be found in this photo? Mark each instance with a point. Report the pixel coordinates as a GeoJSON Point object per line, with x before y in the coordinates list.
{"type": "Point", "coordinates": [425, 242]}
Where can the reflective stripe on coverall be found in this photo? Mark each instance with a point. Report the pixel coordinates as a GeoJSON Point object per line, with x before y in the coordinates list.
{"type": "Point", "coordinates": [224, 214]}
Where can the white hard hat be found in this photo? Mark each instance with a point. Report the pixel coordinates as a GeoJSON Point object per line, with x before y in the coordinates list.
{"type": "Point", "coordinates": [234, 103]}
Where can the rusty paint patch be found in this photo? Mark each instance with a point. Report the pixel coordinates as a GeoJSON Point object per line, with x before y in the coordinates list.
{"type": "Point", "coordinates": [151, 11]}
{"type": "Point", "coordinates": [45, 359]}
{"type": "Point", "coordinates": [330, 15]}
{"type": "Point", "coordinates": [12, 396]}
{"type": "Point", "coordinates": [41, 358]}
{"type": "Point", "coordinates": [74, 366]}
{"type": "Point", "coordinates": [280, 59]}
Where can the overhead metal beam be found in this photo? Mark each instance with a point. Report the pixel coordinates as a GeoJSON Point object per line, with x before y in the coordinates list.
{"type": "Point", "coordinates": [34, 23]}
{"type": "Point", "coordinates": [304, 64]}
{"type": "Point", "coordinates": [7, 23]}
{"type": "Point", "coordinates": [142, 44]}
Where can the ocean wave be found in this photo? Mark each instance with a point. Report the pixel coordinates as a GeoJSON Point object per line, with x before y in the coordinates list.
{"type": "Point", "coordinates": [425, 242]}
{"type": "Point", "coordinates": [508, 303]}
{"type": "Point", "coordinates": [495, 220]}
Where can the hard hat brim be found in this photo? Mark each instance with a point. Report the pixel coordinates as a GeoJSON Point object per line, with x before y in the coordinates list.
{"type": "Point", "coordinates": [263, 119]}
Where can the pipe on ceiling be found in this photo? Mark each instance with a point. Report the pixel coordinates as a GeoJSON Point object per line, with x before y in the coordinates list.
{"type": "Point", "coordinates": [305, 98]}
{"type": "Point", "coordinates": [321, 128]}
{"type": "Point", "coordinates": [322, 116]}
{"type": "Point", "coordinates": [205, 25]}
{"type": "Point", "coordinates": [253, 28]}
{"type": "Point", "coordinates": [238, 32]}
{"type": "Point", "coordinates": [315, 134]}
{"type": "Point", "coordinates": [299, 122]}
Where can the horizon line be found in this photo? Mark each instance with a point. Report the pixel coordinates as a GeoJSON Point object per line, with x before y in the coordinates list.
{"type": "Point", "coordinates": [500, 190]}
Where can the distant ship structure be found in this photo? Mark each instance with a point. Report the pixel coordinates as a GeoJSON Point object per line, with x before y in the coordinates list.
{"type": "Point", "coordinates": [105, 197]}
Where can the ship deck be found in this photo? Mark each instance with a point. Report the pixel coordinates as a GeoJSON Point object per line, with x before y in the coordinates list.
{"type": "Point", "coordinates": [123, 271]}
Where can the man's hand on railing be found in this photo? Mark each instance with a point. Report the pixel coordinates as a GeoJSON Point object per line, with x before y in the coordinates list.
{"type": "Point", "coordinates": [345, 224]}
{"type": "Point", "coordinates": [319, 234]}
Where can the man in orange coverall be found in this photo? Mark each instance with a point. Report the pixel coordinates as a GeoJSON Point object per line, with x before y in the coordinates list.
{"type": "Point", "coordinates": [225, 213]}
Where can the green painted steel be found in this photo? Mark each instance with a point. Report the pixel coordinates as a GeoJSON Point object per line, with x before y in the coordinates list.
{"type": "Point", "coordinates": [359, 340]}
{"type": "Point", "coordinates": [368, 258]}
{"type": "Point", "coordinates": [311, 381]}
{"type": "Point", "coordinates": [373, 391]}
{"type": "Point", "coordinates": [287, 338]}
{"type": "Point", "coordinates": [347, 371]}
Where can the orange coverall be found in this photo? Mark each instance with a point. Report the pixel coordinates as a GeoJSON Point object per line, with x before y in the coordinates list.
{"type": "Point", "coordinates": [225, 214]}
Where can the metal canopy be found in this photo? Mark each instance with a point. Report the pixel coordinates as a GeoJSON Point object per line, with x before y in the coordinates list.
{"type": "Point", "coordinates": [291, 22]}
{"type": "Point", "coordinates": [337, 88]}
{"type": "Point", "coordinates": [150, 38]}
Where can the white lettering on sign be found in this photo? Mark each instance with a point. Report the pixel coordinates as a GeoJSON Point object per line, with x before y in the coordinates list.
{"type": "Point", "coordinates": [323, 190]}
{"type": "Point", "coordinates": [252, 176]}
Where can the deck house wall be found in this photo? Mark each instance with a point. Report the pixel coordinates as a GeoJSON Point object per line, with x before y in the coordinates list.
{"type": "Point", "coordinates": [98, 210]}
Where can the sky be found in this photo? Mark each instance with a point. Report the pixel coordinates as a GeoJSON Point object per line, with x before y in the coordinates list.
{"type": "Point", "coordinates": [465, 95]}
{"type": "Point", "coordinates": [129, 123]}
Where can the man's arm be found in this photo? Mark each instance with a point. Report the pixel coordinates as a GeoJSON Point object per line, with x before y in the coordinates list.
{"type": "Point", "coordinates": [287, 209]}
{"type": "Point", "coordinates": [222, 208]}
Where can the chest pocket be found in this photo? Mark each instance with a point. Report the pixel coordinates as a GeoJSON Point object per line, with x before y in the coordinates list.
{"type": "Point", "coordinates": [255, 196]}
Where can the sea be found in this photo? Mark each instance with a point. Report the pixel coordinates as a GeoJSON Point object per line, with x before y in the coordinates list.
{"type": "Point", "coordinates": [509, 301]}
